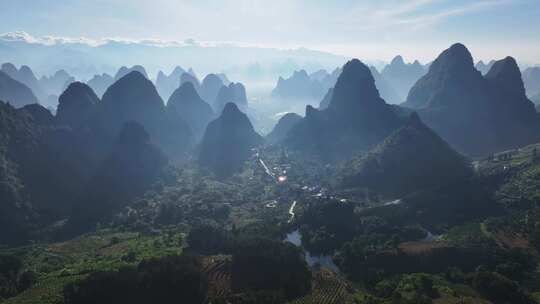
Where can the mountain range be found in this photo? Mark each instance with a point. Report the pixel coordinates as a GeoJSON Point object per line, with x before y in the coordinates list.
{"type": "Point", "coordinates": [135, 98]}
{"type": "Point", "coordinates": [301, 86]}
{"type": "Point", "coordinates": [83, 58]}
{"type": "Point", "coordinates": [401, 76]}
{"type": "Point", "coordinates": [26, 76]}
{"type": "Point", "coordinates": [476, 114]}
{"type": "Point", "coordinates": [167, 84]}
{"type": "Point", "coordinates": [14, 92]}
{"type": "Point", "coordinates": [355, 119]}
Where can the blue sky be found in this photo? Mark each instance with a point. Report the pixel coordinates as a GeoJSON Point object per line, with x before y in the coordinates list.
{"type": "Point", "coordinates": [366, 29]}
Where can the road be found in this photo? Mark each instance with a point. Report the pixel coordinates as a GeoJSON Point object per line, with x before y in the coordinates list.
{"type": "Point", "coordinates": [266, 169]}
{"type": "Point", "coordinates": [291, 212]}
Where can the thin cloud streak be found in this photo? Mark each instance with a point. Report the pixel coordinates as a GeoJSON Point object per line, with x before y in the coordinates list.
{"type": "Point", "coordinates": [399, 16]}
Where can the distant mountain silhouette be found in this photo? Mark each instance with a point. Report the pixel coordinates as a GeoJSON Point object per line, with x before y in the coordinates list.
{"type": "Point", "coordinates": [387, 92]}
{"type": "Point", "coordinates": [531, 79]}
{"type": "Point", "coordinates": [123, 71]}
{"type": "Point", "coordinates": [100, 83]}
{"type": "Point", "coordinates": [228, 141]}
{"type": "Point", "coordinates": [536, 99]}
{"type": "Point", "coordinates": [356, 117]}
{"type": "Point", "coordinates": [166, 84]}
{"type": "Point", "coordinates": [55, 85]}
{"type": "Point", "coordinates": [475, 114]}
{"type": "Point", "coordinates": [15, 92]}
{"type": "Point", "coordinates": [319, 75]}
{"type": "Point", "coordinates": [401, 76]}
{"type": "Point", "coordinates": [298, 86]}
{"type": "Point", "coordinates": [191, 108]}
{"type": "Point", "coordinates": [483, 67]}
{"type": "Point", "coordinates": [283, 127]}
{"type": "Point", "coordinates": [76, 105]}
{"type": "Point", "coordinates": [327, 80]}
{"type": "Point", "coordinates": [130, 168]}
{"type": "Point", "coordinates": [134, 98]}
{"type": "Point", "coordinates": [192, 73]}
{"type": "Point", "coordinates": [234, 92]}
{"type": "Point", "coordinates": [25, 76]}
{"type": "Point", "coordinates": [413, 158]}
{"type": "Point", "coordinates": [209, 89]}
{"type": "Point", "coordinates": [188, 77]}
{"type": "Point", "coordinates": [224, 79]}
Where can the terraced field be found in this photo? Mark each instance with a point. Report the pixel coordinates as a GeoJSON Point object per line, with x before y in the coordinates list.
{"type": "Point", "coordinates": [327, 288]}
{"type": "Point", "coordinates": [218, 270]}
{"type": "Point", "coordinates": [48, 291]}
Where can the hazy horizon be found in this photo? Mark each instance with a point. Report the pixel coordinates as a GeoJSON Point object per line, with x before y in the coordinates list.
{"type": "Point", "coordinates": [369, 30]}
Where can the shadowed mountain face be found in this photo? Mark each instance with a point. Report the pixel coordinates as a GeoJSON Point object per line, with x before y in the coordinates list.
{"type": "Point", "coordinates": [134, 98]}
{"type": "Point", "coordinates": [191, 108]}
{"type": "Point", "coordinates": [132, 165]}
{"type": "Point", "coordinates": [401, 76]}
{"type": "Point", "coordinates": [16, 212]}
{"type": "Point", "coordinates": [410, 159]}
{"type": "Point", "coordinates": [25, 76]}
{"type": "Point", "coordinates": [41, 170]}
{"type": "Point", "coordinates": [475, 114]}
{"type": "Point", "coordinates": [387, 92]}
{"type": "Point", "coordinates": [228, 141]}
{"type": "Point", "coordinates": [39, 114]}
{"type": "Point", "coordinates": [505, 75]}
{"type": "Point", "coordinates": [100, 83]}
{"type": "Point", "coordinates": [235, 93]}
{"type": "Point", "coordinates": [356, 118]}
{"type": "Point", "coordinates": [166, 84]}
{"type": "Point", "coordinates": [451, 76]}
{"type": "Point", "coordinates": [284, 125]}
{"type": "Point", "coordinates": [14, 92]}
{"type": "Point", "coordinates": [76, 105]}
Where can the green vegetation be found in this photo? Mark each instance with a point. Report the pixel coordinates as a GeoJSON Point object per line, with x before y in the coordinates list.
{"type": "Point", "coordinates": [57, 264]}
{"type": "Point", "coordinates": [165, 280]}
{"type": "Point", "coordinates": [455, 242]}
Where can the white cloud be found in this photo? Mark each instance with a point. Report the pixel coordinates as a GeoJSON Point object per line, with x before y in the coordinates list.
{"type": "Point", "coordinates": [412, 14]}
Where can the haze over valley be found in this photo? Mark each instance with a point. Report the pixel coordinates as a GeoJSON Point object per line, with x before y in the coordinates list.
{"type": "Point", "coordinates": [244, 152]}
